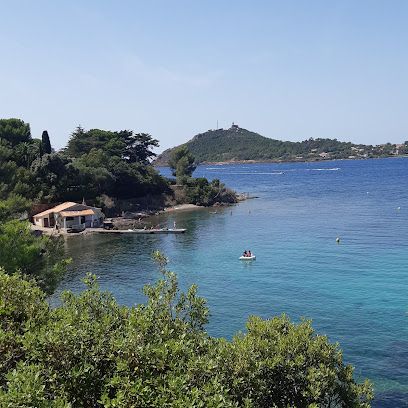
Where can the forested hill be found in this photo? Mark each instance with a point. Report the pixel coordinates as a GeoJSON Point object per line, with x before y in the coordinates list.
{"type": "Point", "coordinates": [237, 144]}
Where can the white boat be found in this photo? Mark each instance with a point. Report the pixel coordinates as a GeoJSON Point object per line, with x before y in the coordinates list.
{"type": "Point", "coordinates": [247, 258]}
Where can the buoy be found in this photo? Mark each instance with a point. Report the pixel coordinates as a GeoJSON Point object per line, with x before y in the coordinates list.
{"type": "Point", "coordinates": [338, 240]}
{"type": "Point", "coordinates": [398, 208]}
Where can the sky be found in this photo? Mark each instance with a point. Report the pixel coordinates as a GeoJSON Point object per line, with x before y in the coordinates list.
{"type": "Point", "coordinates": [288, 70]}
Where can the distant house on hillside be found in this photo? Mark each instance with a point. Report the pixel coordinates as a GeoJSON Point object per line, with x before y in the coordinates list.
{"type": "Point", "coordinates": [68, 215]}
{"type": "Point", "coordinates": [324, 155]}
{"type": "Point", "coordinates": [399, 148]}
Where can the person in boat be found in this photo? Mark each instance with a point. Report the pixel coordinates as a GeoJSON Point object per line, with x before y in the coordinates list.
{"type": "Point", "coordinates": [245, 254]}
{"type": "Point", "coordinates": [249, 253]}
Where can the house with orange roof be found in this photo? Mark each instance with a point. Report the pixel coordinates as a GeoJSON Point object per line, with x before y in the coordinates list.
{"type": "Point", "coordinates": [70, 215]}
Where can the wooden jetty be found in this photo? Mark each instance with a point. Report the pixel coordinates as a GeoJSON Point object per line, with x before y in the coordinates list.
{"type": "Point", "coordinates": [143, 231]}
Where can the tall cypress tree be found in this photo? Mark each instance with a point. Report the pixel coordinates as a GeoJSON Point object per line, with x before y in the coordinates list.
{"type": "Point", "coordinates": [46, 144]}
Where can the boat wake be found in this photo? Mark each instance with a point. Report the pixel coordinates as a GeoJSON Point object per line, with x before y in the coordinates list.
{"type": "Point", "coordinates": [331, 169]}
{"type": "Point", "coordinates": [252, 173]}
{"type": "Point", "coordinates": [216, 168]}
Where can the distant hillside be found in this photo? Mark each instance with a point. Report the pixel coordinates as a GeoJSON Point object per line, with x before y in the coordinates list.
{"type": "Point", "coordinates": [237, 144]}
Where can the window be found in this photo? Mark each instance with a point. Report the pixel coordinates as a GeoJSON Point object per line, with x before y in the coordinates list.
{"type": "Point", "coordinates": [69, 218]}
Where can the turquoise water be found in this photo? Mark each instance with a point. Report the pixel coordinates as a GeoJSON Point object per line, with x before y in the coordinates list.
{"type": "Point", "coordinates": [356, 292]}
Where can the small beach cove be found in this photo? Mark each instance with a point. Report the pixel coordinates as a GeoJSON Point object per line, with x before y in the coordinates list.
{"type": "Point", "coordinates": [355, 291]}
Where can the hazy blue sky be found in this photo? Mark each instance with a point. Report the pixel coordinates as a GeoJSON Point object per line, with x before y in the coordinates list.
{"type": "Point", "coordinates": [288, 70]}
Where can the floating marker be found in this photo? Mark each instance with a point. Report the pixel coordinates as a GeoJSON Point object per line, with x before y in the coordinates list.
{"type": "Point", "coordinates": [398, 208]}
{"type": "Point", "coordinates": [338, 240]}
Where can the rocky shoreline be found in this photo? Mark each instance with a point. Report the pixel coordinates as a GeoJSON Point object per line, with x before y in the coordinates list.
{"type": "Point", "coordinates": [149, 218]}
{"type": "Point", "coordinates": [143, 218]}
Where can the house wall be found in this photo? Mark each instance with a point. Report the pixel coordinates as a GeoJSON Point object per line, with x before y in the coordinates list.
{"type": "Point", "coordinates": [69, 223]}
{"type": "Point", "coordinates": [40, 221]}
{"type": "Point", "coordinates": [90, 222]}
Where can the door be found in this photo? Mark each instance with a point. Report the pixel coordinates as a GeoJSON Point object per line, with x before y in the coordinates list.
{"type": "Point", "coordinates": [46, 223]}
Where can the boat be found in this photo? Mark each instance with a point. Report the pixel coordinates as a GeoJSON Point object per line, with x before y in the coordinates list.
{"type": "Point", "coordinates": [247, 258]}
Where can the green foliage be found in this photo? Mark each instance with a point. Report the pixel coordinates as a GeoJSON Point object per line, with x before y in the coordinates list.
{"type": "Point", "coordinates": [182, 164]}
{"type": "Point", "coordinates": [45, 143]}
{"type": "Point", "coordinates": [95, 162]}
{"type": "Point", "coordinates": [17, 152]}
{"type": "Point", "coordinates": [13, 207]}
{"type": "Point", "coordinates": [22, 307]}
{"type": "Point", "coordinates": [82, 142]}
{"type": "Point", "coordinates": [35, 257]}
{"type": "Point", "coordinates": [138, 147]}
{"type": "Point", "coordinates": [54, 178]}
{"type": "Point", "coordinates": [132, 147]}
{"type": "Point", "coordinates": [200, 191]}
{"type": "Point", "coordinates": [237, 144]}
{"type": "Point", "coordinates": [279, 363]}
{"type": "Point", "coordinates": [92, 352]}
{"type": "Point", "coordinates": [14, 131]}
{"type": "Point", "coordinates": [39, 258]}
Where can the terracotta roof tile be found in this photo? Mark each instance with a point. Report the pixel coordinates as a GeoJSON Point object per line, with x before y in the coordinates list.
{"type": "Point", "coordinates": [58, 208]}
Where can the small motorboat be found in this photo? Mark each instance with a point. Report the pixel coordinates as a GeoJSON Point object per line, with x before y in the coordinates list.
{"type": "Point", "coordinates": [247, 258]}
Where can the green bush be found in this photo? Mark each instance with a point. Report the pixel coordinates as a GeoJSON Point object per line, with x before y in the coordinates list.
{"type": "Point", "coordinates": [92, 352]}
{"type": "Point", "coordinates": [200, 191]}
{"type": "Point", "coordinates": [36, 257]}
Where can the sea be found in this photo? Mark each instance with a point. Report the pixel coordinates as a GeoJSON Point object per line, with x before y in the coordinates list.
{"type": "Point", "coordinates": [355, 291]}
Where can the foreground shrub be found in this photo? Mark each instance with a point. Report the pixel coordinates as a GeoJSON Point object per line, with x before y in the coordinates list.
{"type": "Point", "coordinates": [92, 352]}
{"type": "Point", "coordinates": [39, 258]}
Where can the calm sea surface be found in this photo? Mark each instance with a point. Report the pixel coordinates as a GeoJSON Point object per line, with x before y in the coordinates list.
{"type": "Point", "coordinates": [355, 292]}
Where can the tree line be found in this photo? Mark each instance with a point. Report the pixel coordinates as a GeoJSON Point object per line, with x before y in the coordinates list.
{"type": "Point", "coordinates": [94, 162]}
{"type": "Point", "coordinates": [95, 165]}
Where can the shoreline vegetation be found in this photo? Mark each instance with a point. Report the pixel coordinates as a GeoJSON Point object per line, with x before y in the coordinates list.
{"type": "Point", "coordinates": [91, 351]}
{"type": "Point", "coordinates": [107, 169]}
{"type": "Point", "coordinates": [224, 163]}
